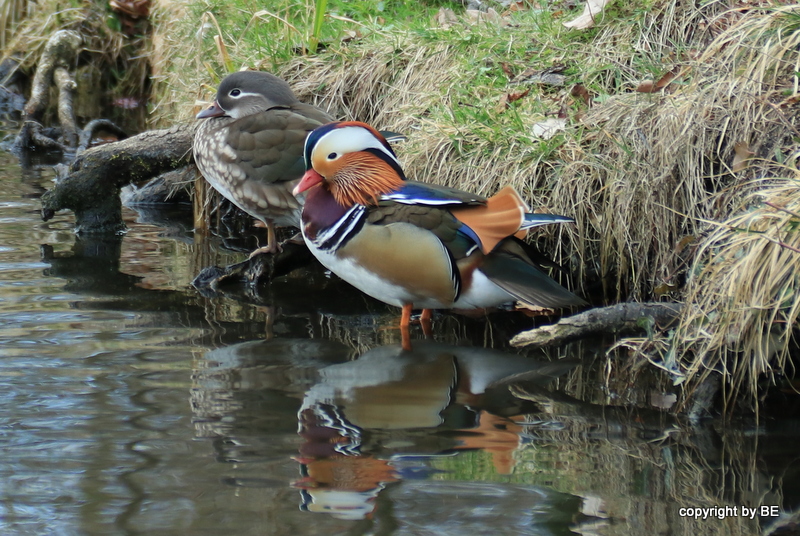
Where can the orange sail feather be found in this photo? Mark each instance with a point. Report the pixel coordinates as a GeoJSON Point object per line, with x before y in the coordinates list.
{"type": "Point", "coordinates": [501, 217]}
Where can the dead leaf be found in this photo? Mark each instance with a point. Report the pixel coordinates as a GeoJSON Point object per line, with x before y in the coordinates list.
{"type": "Point", "coordinates": [665, 81]}
{"type": "Point", "coordinates": [133, 8]}
{"type": "Point", "coordinates": [508, 98]}
{"type": "Point", "coordinates": [579, 91]}
{"type": "Point", "coordinates": [647, 86]}
{"type": "Point", "coordinates": [590, 12]}
{"type": "Point", "coordinates": [502, 106]}
{"type": "Point", "coordinates": [350, 35]}
{"type": "Point", "coordinates": [742, 154]}
{"type": "Point", "coordinates": [514, 7]}
{"type": "Point", "coordinates": [507, 69]}
{"type": "Point", "coordinates": [664, 288]}
{"type": "Point", "coordinates": [662, 400]}
{"type": "Point", "coordinates": [549, 127]}
{"type": "Point", "coordinates": [515, 96]}
{"type": "Point", "coordinates": [126, 103]}
{"type": "Point", "coordinates": [548, 77]}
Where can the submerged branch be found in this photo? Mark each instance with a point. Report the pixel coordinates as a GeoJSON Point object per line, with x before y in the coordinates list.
{"type": "Point", "coordinates": [255, 270]}
{"type": "Point", "coordinates": [623, 317]}
{"type": "Point", "coordinates": [566, 407]}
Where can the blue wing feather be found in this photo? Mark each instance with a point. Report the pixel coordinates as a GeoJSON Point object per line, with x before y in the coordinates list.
{"type": "Point", "coordinates": [472, 235]}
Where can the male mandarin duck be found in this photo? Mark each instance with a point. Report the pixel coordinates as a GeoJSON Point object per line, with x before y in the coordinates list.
{"type": "Point", "coordinates": [411, 244]}
{"type": "Point", "coordinates": [250, 147]}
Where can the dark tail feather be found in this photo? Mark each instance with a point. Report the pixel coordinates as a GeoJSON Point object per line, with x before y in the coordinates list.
{"type": "Point", "coordinates": [510, 268]}
{"type": "Point", "coordinates": [532, 220]}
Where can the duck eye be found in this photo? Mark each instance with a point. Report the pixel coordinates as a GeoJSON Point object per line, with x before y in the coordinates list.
{"type": "Point", "coordinates": [332, 156]}
{"type": "Point", "coordinates": [235, 93]}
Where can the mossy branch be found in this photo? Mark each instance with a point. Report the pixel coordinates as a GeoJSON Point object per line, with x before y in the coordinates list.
{"type": "Point", "coordinates": [90, 186]}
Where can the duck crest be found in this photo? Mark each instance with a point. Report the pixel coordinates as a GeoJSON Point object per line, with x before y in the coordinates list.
{"type": "Point", "coordinates": [362, 178]}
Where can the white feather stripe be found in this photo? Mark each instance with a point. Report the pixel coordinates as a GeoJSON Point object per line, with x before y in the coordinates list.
{"type": "Point", "coordinates": [340, 232]}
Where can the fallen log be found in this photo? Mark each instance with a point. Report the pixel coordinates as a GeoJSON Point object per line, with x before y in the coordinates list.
{"type": "Point", "coordinates": [90, 187]}
{"type": "Point", "coordinates": [615, 319]}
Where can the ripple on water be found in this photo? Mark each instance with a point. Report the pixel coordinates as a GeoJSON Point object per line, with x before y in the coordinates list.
{"type": "Point", "coordinates": [15, 266]}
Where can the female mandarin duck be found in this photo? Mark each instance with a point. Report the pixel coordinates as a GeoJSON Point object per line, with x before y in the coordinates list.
{"type": "Point", "coordinates": [250, 147]}
{"type": "Point", "coordinates": [412, 244]}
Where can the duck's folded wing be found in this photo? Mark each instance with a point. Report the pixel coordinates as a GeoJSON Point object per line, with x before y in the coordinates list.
{"type": "Point", "coordinates": [420, 193]}
{"type": "Point", "coordinates": [268, 146]}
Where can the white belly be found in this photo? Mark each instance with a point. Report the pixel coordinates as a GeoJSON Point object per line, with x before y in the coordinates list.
{"type": "Point", "coordinates": [367, 281]}
{"type": "Point", "coordinates": [482, 294]}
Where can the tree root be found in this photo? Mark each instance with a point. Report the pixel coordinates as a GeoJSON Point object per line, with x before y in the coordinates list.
{"type": "Point", "coordinates": [59, 56]}
{"type": "Point", "coordinates": [623, 317]}
{"type": "Point", "coordinates": [66, 116]}
{"type": "Point", "coordinates": [93, 127]}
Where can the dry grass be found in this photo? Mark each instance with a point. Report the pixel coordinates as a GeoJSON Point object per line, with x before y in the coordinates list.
{"type": "Point", "coordinates": [746, 293]}
{"type": "Point", "coordinates": [744, 280]}
{"type": "Point", "coordinates": [11, 13]}
{"type": "Point", "coordinates": [651, 169]}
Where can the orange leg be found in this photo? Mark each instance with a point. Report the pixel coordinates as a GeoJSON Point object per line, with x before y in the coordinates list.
{"type": "Point", "coordinates": [405, 320]}
{"type": "Point", "coordinates": [425, 320]}
{"type": "Point", "coordinates": [405, 338]}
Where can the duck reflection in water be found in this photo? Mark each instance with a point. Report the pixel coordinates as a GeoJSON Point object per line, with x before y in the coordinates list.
{"type": "Point", "coordinates": [371, 422]}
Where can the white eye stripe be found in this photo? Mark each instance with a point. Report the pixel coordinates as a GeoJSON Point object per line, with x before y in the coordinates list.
{"type": "Point", "coordinates": [242, 94]}
{"type": "Point", "coordinates": [349, 139]}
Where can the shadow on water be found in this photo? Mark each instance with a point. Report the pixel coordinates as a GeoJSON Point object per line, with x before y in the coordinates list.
{"type": "Point", "coordinates": [133, 405]}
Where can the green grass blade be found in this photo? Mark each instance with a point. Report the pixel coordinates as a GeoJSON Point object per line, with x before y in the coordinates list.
{"type": "Point", "coordinates": [320, 8]}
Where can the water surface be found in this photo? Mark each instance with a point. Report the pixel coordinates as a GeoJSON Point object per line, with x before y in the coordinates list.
{"type": "Point", "coordinates": [131, 404]}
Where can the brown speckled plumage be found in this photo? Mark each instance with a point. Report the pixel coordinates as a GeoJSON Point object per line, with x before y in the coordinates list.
{"type": "Point", "coordinates": [250, 145]}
